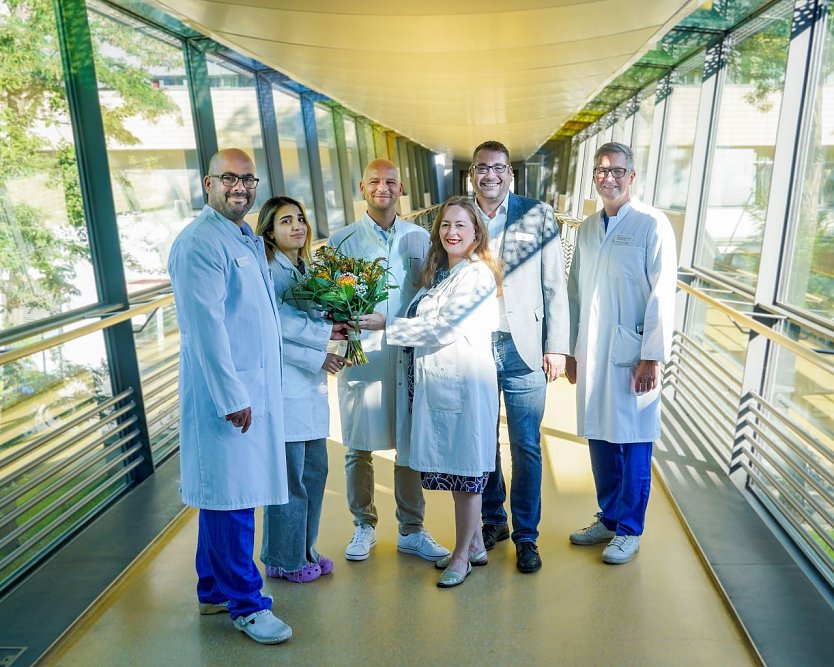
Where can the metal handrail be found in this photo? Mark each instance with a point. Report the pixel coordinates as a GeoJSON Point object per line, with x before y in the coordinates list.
{"type": "Point", "coordinates": [781, 461]}
{"type": "Point", "coordinates": [103, 323]}
{"type": "Point", "coordinates": [57, 522]}
{"type": "Point", "coordinates": [774, 413]}
{"type": "Point", "coordinates": [754, 325]}
{"type": "Point", "coordinates": [24, 488]}
{"type": "Point", "coordinates": [74, 472]}
{"type": "Point", "coordinates": [63, 428]}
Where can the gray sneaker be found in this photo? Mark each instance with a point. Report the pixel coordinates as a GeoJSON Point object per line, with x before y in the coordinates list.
{"type": "Point", "coordinates": [593, 534]}
{"type": "Point", "coordinates": [364, 538]}
{"type": "Point", "coordinates": [621, 549]}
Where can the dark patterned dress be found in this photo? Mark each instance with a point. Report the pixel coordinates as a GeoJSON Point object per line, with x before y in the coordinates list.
{"type": "Point", "coordinates": [439, 481]}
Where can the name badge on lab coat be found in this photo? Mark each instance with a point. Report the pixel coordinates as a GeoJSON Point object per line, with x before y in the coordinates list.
{"type": "Point", "coordinates": [623, 239]}
{"type": "Point", "coordinates": [524, 236]}
{"type": "Point", "coordinates": [242, 261]}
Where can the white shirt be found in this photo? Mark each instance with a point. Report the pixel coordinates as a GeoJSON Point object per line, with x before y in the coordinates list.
{"type": "Point", "coordinates": [496, 226]}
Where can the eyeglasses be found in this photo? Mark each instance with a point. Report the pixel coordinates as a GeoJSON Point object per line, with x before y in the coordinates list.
{"type": "Point", "coordinates": [230, 180]}
{"type": "Point", "coordinates": [602, 172]}
{"type": "Point", "coordinates": [484, 168]}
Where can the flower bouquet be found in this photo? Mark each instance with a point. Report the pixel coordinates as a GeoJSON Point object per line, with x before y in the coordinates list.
{"type": "Point", "coordinates": [344, 288]}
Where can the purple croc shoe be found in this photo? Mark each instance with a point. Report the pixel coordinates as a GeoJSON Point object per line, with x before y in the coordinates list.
{"type": "Point", "coordinates": [309, 572]}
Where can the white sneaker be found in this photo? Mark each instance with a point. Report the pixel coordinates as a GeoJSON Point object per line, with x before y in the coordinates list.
{"type": "Point", "coordinates": [621, 549]}
{"type": "Point", "coordinates": [421, 544]}
{"type": "Point", "coordinates": [593, 534]}
{"type": "Point", "coordinates": [264, 627]}
{"type": "Point", "coordinates": [364, 538]}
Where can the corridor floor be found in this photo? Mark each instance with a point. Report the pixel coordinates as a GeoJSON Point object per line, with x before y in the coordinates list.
{"type": "Point", "coordinates": [661, 609]}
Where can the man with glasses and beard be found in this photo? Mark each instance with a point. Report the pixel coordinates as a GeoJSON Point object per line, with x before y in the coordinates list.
{"type": "Point", "coordinates": [231, 420]}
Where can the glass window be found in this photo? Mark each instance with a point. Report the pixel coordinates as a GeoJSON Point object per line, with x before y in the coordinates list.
{"type": "Point", "coordinates": [151, 148]}
{"type": "Point", "coordinates": [329, 157]}
{"type": "Point", "coordinates": [52, 424]}
{"type": "Point", "coordinates": [234, 100]}
{"type": "Point", "coordinates": [44, 255]}
{"type": "Point", "coordinates": [294, 159]}
{"type": "Point", "coordinates": [810, 282]}
{"type": "Point", "coordinates": [745, 136]}
{"type": "Point", "coordinates": [355, 168]}
{"type": "Point", "coordinates": [643, 121]}
{"type": "Point", "coordinates": [678, 139]}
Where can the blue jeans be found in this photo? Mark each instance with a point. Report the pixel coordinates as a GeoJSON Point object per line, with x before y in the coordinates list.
{"type": "Point", "coordinates": [225, 569]}
{"type": "Point", "coordinates": [524, 392]}
{"type": "Point", "coordinates": [291, 530]}
{"type": "Point", "coordinates": [623, 477]}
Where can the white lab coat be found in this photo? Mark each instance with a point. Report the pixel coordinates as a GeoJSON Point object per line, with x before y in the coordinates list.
{"type": "Point", "coordinates": [452, 425]}
{"type": "Point", "coordinates": [305, 336]}
{"type": "Point", "coordinates": [230, 358]}
{"type": "Point", "coordinates": [622, 303]}
{"type": "Point", "coordinates": [366, 392]}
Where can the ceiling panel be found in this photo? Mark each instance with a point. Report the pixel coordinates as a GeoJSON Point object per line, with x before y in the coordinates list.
{"type": "Point", "coordinates": [447, 74]}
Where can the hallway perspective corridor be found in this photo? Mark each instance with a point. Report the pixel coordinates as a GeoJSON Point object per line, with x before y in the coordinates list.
{"type": "Point", "coordinates": [661, 609]}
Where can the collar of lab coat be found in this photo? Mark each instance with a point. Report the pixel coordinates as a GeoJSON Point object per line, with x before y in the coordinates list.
{"type": "Point", "coordinates": [613, 220]}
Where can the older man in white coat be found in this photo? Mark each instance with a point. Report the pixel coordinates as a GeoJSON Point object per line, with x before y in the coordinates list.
{"type": "Point", "coordinates": [367, 396]}
{"type": "Point", "coordinates": [231, 419]}
{"type": "Point", "coordinates": [622, 298]}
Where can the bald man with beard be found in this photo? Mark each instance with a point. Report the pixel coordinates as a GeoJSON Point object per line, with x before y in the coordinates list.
{"type": "Point", "coordinates": [231, 420]}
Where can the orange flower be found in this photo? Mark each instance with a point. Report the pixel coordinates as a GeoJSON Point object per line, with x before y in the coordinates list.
{"type": "Point", "coordinates": [346, 279]}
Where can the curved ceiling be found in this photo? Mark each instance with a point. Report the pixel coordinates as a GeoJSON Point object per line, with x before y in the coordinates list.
{"type": "Point", "coordinates": [447, 74]}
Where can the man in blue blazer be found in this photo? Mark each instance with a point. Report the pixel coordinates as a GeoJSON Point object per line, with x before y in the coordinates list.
{"type": "Point", "coordinates": [529, 346]}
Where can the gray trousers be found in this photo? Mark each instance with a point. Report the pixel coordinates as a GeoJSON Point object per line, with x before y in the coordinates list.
{"type": "Point", "coordinates": [359, 476]}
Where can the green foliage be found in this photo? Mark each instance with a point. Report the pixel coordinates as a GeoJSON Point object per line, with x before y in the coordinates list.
{"type": "Point", "coordinates": [761, 61]}
{"type": "Point", "coordinates": [39, 247]}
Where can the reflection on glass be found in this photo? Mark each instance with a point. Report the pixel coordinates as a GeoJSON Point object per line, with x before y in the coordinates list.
{"type": "Point", "coordinates": [742, 166]}
{"type": "Point", "coordinates": [720, 336]}
{"type": "Point", "coordinates": [679, 137]}
{"type": "Point", "coordinates": [329, 157]}
{"type": "Point", "coordinates": [355, 168]}
{"type": "Point", "coordinates": [157, 349]}
{"type": "Point", "coordinates": [45, 266]}
{"type": "Point", "coordinates": [150, 142]}
{"type": "Point", "coordinates": [294, 160]}
{"type": "Point", "coordinates": [810, 283]}
{"type": "Point", "coordinates": [40, 502]}
{"type": "Point", "coordinates": [643, 120]}
{"type": "Point", "coordinates": [234, 100]}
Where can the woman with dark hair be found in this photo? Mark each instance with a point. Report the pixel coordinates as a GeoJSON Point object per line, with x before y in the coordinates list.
{"type": "Point", "coordinates": [448, 407]}
{"type": "Point", "coordinates": [290, 531]}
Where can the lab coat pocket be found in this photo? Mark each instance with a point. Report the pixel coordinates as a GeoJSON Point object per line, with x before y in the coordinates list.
{"type": "Point", "coordinates": [626, 262]}
{"type": "Point", "coordinates": [626, 347]}
{"type": "Point", "coordinates": [253, 381]}
{"type": "Point", "coordinates": [444, 390]}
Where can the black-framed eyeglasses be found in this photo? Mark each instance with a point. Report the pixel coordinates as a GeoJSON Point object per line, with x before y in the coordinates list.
{"type": "Point", "coordinates": [230, 180]}
{"type": "Point", "coordinates": [484, 168]}
{"type": "Point", "coordinates": [602, 172]}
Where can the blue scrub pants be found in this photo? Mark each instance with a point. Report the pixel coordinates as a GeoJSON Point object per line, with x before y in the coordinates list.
{"type": "Point", "coordinates": [225, 569]}
{"type": "Point", "coordinates": [623, 476]}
